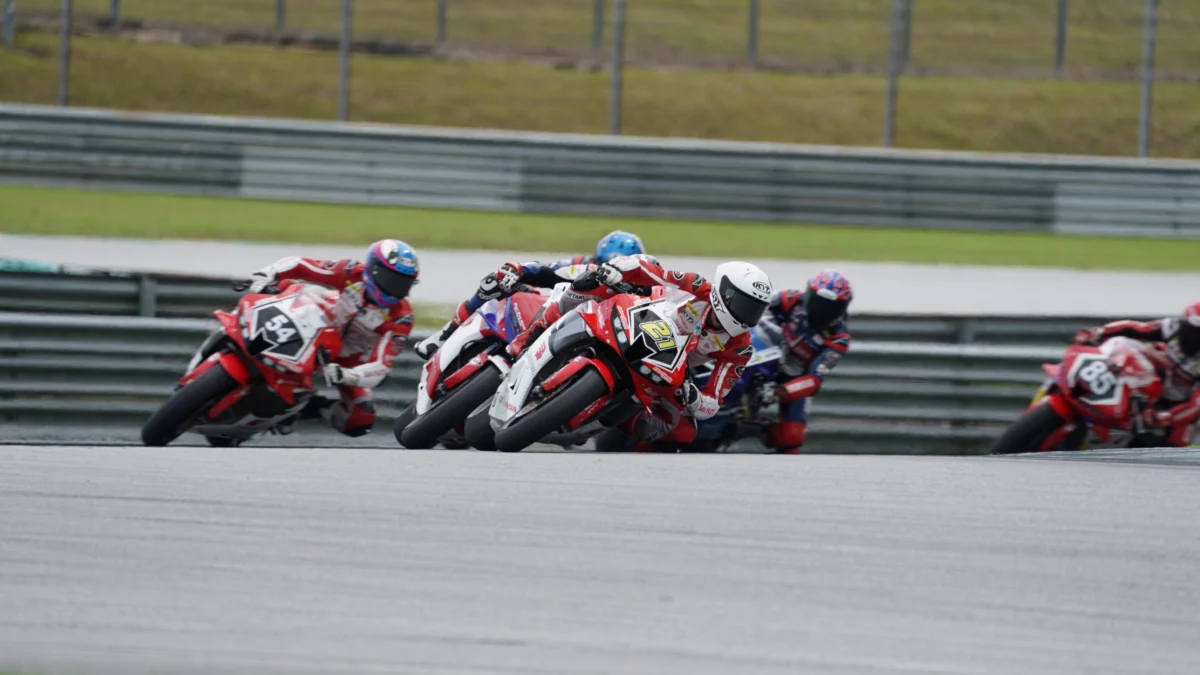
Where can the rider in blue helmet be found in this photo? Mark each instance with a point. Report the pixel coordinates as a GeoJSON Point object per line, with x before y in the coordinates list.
{"type": "Point", "coordinates": [504, 282]}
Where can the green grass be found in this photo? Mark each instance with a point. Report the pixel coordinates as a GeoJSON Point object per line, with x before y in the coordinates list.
{"type": "Point", "coordinates": [945, 113]}
{"type": "Point", "coordinates": [983, 35]}
{"type": "Point", "coordinates": [96, 213]}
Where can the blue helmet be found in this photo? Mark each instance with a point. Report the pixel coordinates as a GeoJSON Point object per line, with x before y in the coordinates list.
{"type": "Point", "coordinates": [389, 271]}
{"type": "Point", "coordinates": [618, 243]}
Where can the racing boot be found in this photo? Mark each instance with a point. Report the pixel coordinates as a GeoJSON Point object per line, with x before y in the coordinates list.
{"type": "Point", "coordinates": [428, 347]}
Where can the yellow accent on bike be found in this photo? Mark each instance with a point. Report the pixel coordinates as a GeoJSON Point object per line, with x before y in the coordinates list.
{"type": "Point", "coordinates": [660, 332]}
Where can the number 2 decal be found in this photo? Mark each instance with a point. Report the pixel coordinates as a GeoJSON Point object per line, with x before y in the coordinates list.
{"type": "Point", "coordinates": [660, 333]}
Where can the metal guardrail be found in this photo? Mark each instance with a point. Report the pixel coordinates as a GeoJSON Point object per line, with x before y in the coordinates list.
{"type": "Point", "coordinates": [62, 370]}
{"type": "Point", "coordinates": [178, 296]}
{"type": "Point", "coordinates": [567, 173]}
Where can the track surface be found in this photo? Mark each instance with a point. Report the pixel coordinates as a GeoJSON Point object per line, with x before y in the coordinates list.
{"type": "Point", "coordinates": [345, 561]}
{"type": "Point", "coordinates": [450, 276]}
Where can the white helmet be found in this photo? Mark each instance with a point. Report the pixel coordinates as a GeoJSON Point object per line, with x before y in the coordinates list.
{"type": "Point", "coordinates": [740, 294]}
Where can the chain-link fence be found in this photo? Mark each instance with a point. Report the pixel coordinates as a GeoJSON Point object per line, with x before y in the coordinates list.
{"type": "Point", "coordinates": [1122, 42]}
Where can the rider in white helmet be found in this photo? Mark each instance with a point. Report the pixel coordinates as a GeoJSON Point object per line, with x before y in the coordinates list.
{"type": "Point", "coordinates": [730, 305]}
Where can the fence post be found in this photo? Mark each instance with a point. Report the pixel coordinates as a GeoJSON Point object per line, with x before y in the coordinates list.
{"type": "Point", "coordinates": [618, 66]}
{"type": "Point", "coordinates": [10, 21]}
{"type": "Point", "coordinates": [441, 22]}
{"type": "Point", "coordinates": [895, 38]}
{"type": "Point", "coordinates": [64, 54]}
{"type": "Point", "coordinates": [280, 17]}
{"type": "Point", "coordinates": [343, 105]}
{"type": "Point", "coordinates": [1147, 78]}
{"type": "Point", "coordinates": [752, 33]}
{"type": "Point", "coordinates": [147, 296]}
{"type": "Point", "coordinates": [114, 13]}
{"type": "Point", "coordinates": [597, 26]}
{"type": "Point", "coordinates": [1060, 45]}
{"type": "Point", "coordinates": [905, 33]}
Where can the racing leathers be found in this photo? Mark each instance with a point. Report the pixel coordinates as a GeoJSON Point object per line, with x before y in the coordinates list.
{"type": "Point", "coordinates": [808, 356]}
{"type": "Point", "coordinates": [500, 284]}
{"type": "Point", "coordinates": [1179, 407]}
{"type": "Point", "coordinates": [372, 338]}
{"type": "Point", "coordinates": [672, 422]}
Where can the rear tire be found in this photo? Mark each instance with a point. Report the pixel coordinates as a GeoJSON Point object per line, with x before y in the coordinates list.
{"type": "Point", "coordinates": [402, 421]}
{"type": "Point", "coordinates": [1029, 431]}
{"type": "Point", "coordinates": [186, 405]}
{"type": "Point", "coordinates": [554, 413]}
{"type": "Point", "coordinates": [478, 429]}
{"type": "Point", "coordinates": [451, 409]}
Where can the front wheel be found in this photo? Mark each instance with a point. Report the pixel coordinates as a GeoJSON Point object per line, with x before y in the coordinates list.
{"type": "Point", "coordinates": [450, 411]}
{"type": "Point", "coordinates": [1029, 431]}
{"type": "Point", "coordinates": [402, 421]}
{"type": "Point", "coordinates": [552, 414]}
{"type": "Point", "coordinates": [478, 429]}
{"type": "Point", "coordinates": [186, 406]}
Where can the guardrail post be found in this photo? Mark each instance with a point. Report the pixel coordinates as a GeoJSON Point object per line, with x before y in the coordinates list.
{"type": "Point", "coordinates": [10, 21]}
{"type": "Point", "coordinates": [597, 26]}
{"type": "Point", "coordinates": [895, 37]}
{"type": "Point", "coordinates": [752, 33]}
{"type": "Point", "coordinates": [441, 22]}
{"type": "Point", "coordinates": [64, 54]}
{"type": "Point", "coordinates": [147, 296]}
{"type": "Point", "coordinates": [1060, 43]}
{"type": "Point", "coordinates": [114, 13]}
{"type": "Point", "coordinates": [618, 65]}
{"type": "Point", "coordinates": [280, 17]}
{"type": "Point", "coordinates": [966, 331]}
{"type": "Point", "coordinates": [343, 105]}
{"type": "Point", "coordinates": [1147, 78]}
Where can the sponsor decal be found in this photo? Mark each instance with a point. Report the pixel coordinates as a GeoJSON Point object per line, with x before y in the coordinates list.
{"type": "Point", "coordinates": [761, 287]}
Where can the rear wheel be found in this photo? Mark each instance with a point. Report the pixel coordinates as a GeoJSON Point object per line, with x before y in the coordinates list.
{"type": "Point", "coordinates": [186, 406]}
{"type": "Point", "coordinates": [552, 414]}
{"type": "Point", "coordinates": [478, 429]}
{"type": "Point", "coordinates": [1029, 431]}
{"type": "Point", "coordinates": [402, 421]}
{"type": "Point", "coordinates": [450, 410]}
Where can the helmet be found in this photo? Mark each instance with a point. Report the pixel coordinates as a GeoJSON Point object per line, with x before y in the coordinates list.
{"type": "Point", "coordinates": [828, 296]}
{"type": "Point", "coordinates": [618, 243]}
{"type": "Point", "coordinates": [740, 294]}
{"type": "Point", "coordinates": [1189, 330]}
{"type": "Point", "coordinates": [389, 271]}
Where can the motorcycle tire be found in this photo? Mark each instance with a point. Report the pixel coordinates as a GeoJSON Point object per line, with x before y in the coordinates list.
{"type": "Point", "coordinates": [186, 405]}
{"type": "Point", "coordinates": [402, 421]}
{"type": "Point", "coordinates": [1029, 431]}
{"type": "Point", "coordinates": [554, 413]}
{"type": "Point", "coordinates": [450, 410]}
{"type": "Point", "coordinates": [614, 440]}
{"type": "Point", "coordinates": [478, 429]}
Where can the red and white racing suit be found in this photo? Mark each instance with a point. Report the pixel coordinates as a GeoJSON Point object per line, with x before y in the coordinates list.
{"type": "Point", "coordinates": [372, 336]}
{"type": "Point", "coordinates": [1179, 407]}
{"type": "Point", "coordinates": [671, 423]}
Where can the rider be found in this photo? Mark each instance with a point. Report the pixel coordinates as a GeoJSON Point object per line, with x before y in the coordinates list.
{"type": "Point", "coordinates": [728, 308]}
{"type": "Point", "coordinates": [375, 320]}
{"type": "Point", "coordinates": [504, 282]}
{"type": "Point", "coordinates": [811, 327]}
{"type": "Point", "coordinates": [1179, 407]}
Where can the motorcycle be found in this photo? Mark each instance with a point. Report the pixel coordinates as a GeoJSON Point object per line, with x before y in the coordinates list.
{"type": "Point", "coordinates": [740, 415]}
{"type": "Point", "coordinates": [460, 376]}
{"type": "Point", "coordinates": [255, 371]}
{"type": "Point", "coordinates": [1093, 398]}
{"type": "Point", "coordinates": [591, 370]}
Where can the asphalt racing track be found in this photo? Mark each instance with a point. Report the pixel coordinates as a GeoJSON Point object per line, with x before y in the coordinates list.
{"type": "Point", "coordinates": [263, 560]}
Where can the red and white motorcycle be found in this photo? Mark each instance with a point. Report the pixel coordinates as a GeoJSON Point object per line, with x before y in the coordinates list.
{"type": "Point", "coordinates": [594, 368]}
{"type": "Point", "coordinates": [255, 372]}
{"type": "Point", "coordinates": [1094, 398]}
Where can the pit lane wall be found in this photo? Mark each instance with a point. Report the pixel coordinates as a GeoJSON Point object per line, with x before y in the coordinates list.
{"type": "Point", "coordinates": [616, 176]}
{"type": "Point", "coordinates": [90, 356]}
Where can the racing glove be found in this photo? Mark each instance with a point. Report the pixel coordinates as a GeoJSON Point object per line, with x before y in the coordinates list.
{"type": "Point", "coordinates": [259, 280]}
{"type": "Point", "coordinates": [1089, 336]}
{"type": "Point", "coordinates": [508, 276]}
{"type": "Point", "coordinates": [689, 396]}
{"type": "Point", "coordinates": [339, 376]}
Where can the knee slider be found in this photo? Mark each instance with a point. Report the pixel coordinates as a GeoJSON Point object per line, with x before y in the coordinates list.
{"type": "Point", "coordinates": [789, 434]}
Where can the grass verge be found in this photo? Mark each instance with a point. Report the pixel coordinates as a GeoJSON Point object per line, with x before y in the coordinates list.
{"type": "Point", "coordinates": [114, 214]}
{"type": "Point", "coordinates": [946, 113]}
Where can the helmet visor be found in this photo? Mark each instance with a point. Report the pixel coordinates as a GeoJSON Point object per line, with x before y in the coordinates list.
{"type": "Point", "coordinates": [389, 281]}
{"type": "Point", "coordinates": [823, 312]}
{"type": "Point", "coordinates": [743, 307]}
